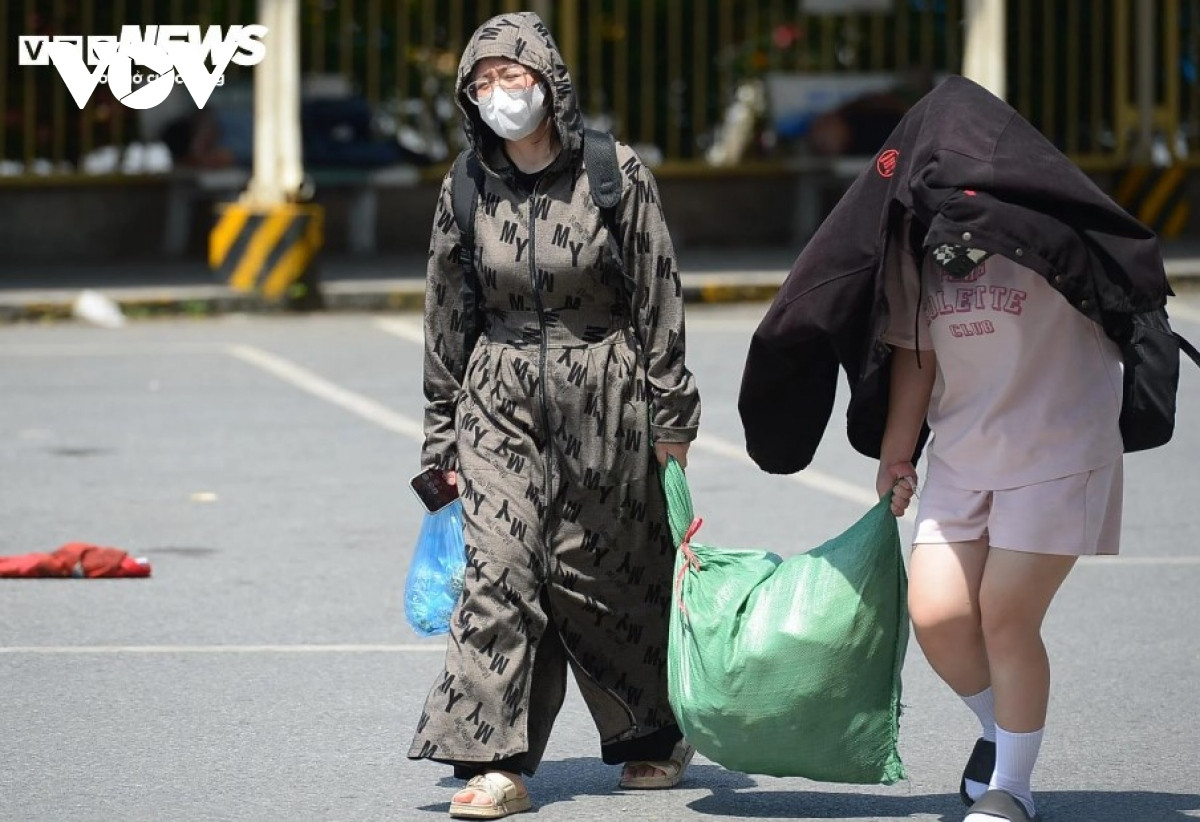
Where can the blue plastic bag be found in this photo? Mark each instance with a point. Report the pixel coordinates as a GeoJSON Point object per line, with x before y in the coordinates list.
{"type": "Point", "coordinates": [435, 577]}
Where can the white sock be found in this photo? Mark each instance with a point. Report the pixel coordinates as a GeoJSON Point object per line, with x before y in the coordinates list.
{"type": "Point", "coordinates": [1016, 754]}
{"type": "Point", "coordinates": [983, 705]}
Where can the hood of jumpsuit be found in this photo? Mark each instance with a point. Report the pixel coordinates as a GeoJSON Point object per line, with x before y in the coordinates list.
{"type": "Point", "coordinates": [523, 37]}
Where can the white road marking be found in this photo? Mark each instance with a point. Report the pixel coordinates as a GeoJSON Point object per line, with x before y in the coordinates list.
{"type": "Point", "coordinates": [388, 419]}
{"type": "Point", "coordinates": [810, 477]}
{"type": "Point", "coordinates": [413, 332]}
{"type": "Point", "coordinates": [413, 648]}
{"type": "Point", "coordinates": [1119, 561]}
{"type": "Point", "coordinates": [410, 330]}
{"type": "Point", "coordinates": [306, 380]}
{"type": "Point", "coordinates": [107, 349]}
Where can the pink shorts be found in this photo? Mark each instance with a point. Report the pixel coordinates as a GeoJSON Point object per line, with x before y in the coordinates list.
{"type": "Point", "coordinates": [1075, 515]}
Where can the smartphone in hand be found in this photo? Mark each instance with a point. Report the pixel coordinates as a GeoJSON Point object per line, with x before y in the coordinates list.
{"type": "Point", "coordinates": [433, 489]}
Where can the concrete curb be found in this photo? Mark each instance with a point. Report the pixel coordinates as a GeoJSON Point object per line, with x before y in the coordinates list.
{"type": "Point", "coordinates": [366, 296]}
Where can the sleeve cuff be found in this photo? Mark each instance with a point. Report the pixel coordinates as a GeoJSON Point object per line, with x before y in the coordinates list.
{"type": "Point", "coordinates": [663, 433]}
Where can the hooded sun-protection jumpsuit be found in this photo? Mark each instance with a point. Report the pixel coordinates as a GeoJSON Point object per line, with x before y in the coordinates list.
{"type": "Point", "coordinates": [549, 415]}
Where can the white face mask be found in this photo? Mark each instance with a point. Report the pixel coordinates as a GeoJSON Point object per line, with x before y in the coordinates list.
{"type": "Point", "coordinates": [513, 115]}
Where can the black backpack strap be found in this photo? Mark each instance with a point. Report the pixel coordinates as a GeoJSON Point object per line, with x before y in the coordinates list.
{"type": "Point", "coordinates": [606, 182]}
{"type": "Point", "coordinates": [466, 187]}
{"type": "Point", "coordinates": [604, 176]}
{"type": "Point", "coordinates": [1187, 348]}
{"type": "Point", "coordinates": [599, 161]}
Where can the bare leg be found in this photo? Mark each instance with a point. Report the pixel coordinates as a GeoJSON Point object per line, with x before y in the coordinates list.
{"type": "Point", "coordinates": [944, 603]}
{"type": "Point", "coordinates": [1014, 596]}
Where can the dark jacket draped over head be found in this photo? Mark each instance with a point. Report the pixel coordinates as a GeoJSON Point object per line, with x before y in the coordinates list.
{"type": "Point", "coordinates": [971, 171]}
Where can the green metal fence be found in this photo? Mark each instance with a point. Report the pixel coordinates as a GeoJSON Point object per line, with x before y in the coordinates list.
{"type": "Point", "coordinates": [663, 73]}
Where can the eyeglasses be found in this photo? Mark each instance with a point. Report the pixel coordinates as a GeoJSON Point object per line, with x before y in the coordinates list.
{"type": "Point", "coordinates": [509, 78]}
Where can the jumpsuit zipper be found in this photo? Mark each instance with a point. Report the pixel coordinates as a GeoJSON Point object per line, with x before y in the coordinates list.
{"type": "Point", "coordinates": [542, 356]}
{"type": "Point", "coordinates": [547, 518]}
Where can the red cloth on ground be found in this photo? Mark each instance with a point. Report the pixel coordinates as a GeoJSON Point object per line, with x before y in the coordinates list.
{"type": "Point", "coordinates": [75, 559]}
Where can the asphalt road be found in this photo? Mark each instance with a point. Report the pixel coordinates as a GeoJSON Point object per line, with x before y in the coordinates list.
{"type": "Point", "coordinates": [265, 671]}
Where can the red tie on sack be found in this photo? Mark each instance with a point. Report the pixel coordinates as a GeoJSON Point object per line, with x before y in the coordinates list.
{"type": "Point", "coordinates": [75, 559]}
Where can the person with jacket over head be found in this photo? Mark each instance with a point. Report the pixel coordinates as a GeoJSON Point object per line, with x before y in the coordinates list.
{"type": "Point", "coordinates": [975, 284]}
{"type": "Point", "coordinates": [556, 386]}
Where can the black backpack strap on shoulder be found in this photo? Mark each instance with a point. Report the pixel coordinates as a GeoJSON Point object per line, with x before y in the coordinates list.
{"type": "Point", "coordinates": [607, 184]}
{"type": "Point", "coordinates": [604, 175]}
{"type": "Point", "coordinates": [466, 186]}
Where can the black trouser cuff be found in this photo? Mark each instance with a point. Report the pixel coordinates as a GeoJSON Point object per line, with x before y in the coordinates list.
{"type": "Point", "coordinates": [654, 746]}
{"type": "Point", "coordinates": [466, 770]}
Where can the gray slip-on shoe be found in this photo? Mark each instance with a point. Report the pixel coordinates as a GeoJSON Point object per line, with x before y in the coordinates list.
{"type": "Point", "coordinates": [1003, 806]}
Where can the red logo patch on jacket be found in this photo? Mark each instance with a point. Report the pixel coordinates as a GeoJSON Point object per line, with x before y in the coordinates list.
{"type": "Point", "coordinates": [885, 164]}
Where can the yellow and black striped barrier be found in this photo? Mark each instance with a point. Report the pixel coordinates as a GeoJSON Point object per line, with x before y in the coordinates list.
{"type": "Point", "coordinates": [265, 248]}
{"type": "Point", "coordinates": [1157, 196]}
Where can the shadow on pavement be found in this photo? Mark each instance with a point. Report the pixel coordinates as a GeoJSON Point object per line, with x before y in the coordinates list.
{"type": "Point", "coordinates": [1053, 806]}
{"type": "Point", "coordinates": [733, 796]}
{"type": "Point", "coordinates": [1118, 806]}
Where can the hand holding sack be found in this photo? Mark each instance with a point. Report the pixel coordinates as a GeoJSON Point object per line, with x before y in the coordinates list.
{"type": "Point", "coordinates": [790, 667]}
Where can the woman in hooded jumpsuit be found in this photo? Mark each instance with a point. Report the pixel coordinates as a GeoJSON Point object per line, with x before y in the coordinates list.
{"type": "Point", "coordinates": [555, 386]}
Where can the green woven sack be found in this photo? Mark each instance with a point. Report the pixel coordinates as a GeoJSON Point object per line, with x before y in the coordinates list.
{"type": "Point", "coordinates": [790, 667]}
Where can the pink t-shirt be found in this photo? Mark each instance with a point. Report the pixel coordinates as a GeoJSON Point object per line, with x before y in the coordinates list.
{"type": "Point", "coordinates": [1027, 388]}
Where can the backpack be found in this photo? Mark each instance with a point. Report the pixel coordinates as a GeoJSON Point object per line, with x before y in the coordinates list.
{"type": "Point", "coordinates": [1151, 380]}
{"type": "Point", "coordinates": [466, 187]}
{"type": "Point", "coordinates": [604, 177]}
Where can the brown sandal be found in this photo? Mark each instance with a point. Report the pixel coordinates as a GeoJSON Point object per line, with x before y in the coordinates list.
{"type": "Point", "coordinates": [672, 770]}
{"type": "Point", "coordinates": [506, 798]}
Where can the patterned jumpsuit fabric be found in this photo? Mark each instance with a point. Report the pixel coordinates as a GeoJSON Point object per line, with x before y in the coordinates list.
{"type": "Point", "coordinates": [547, 400]}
